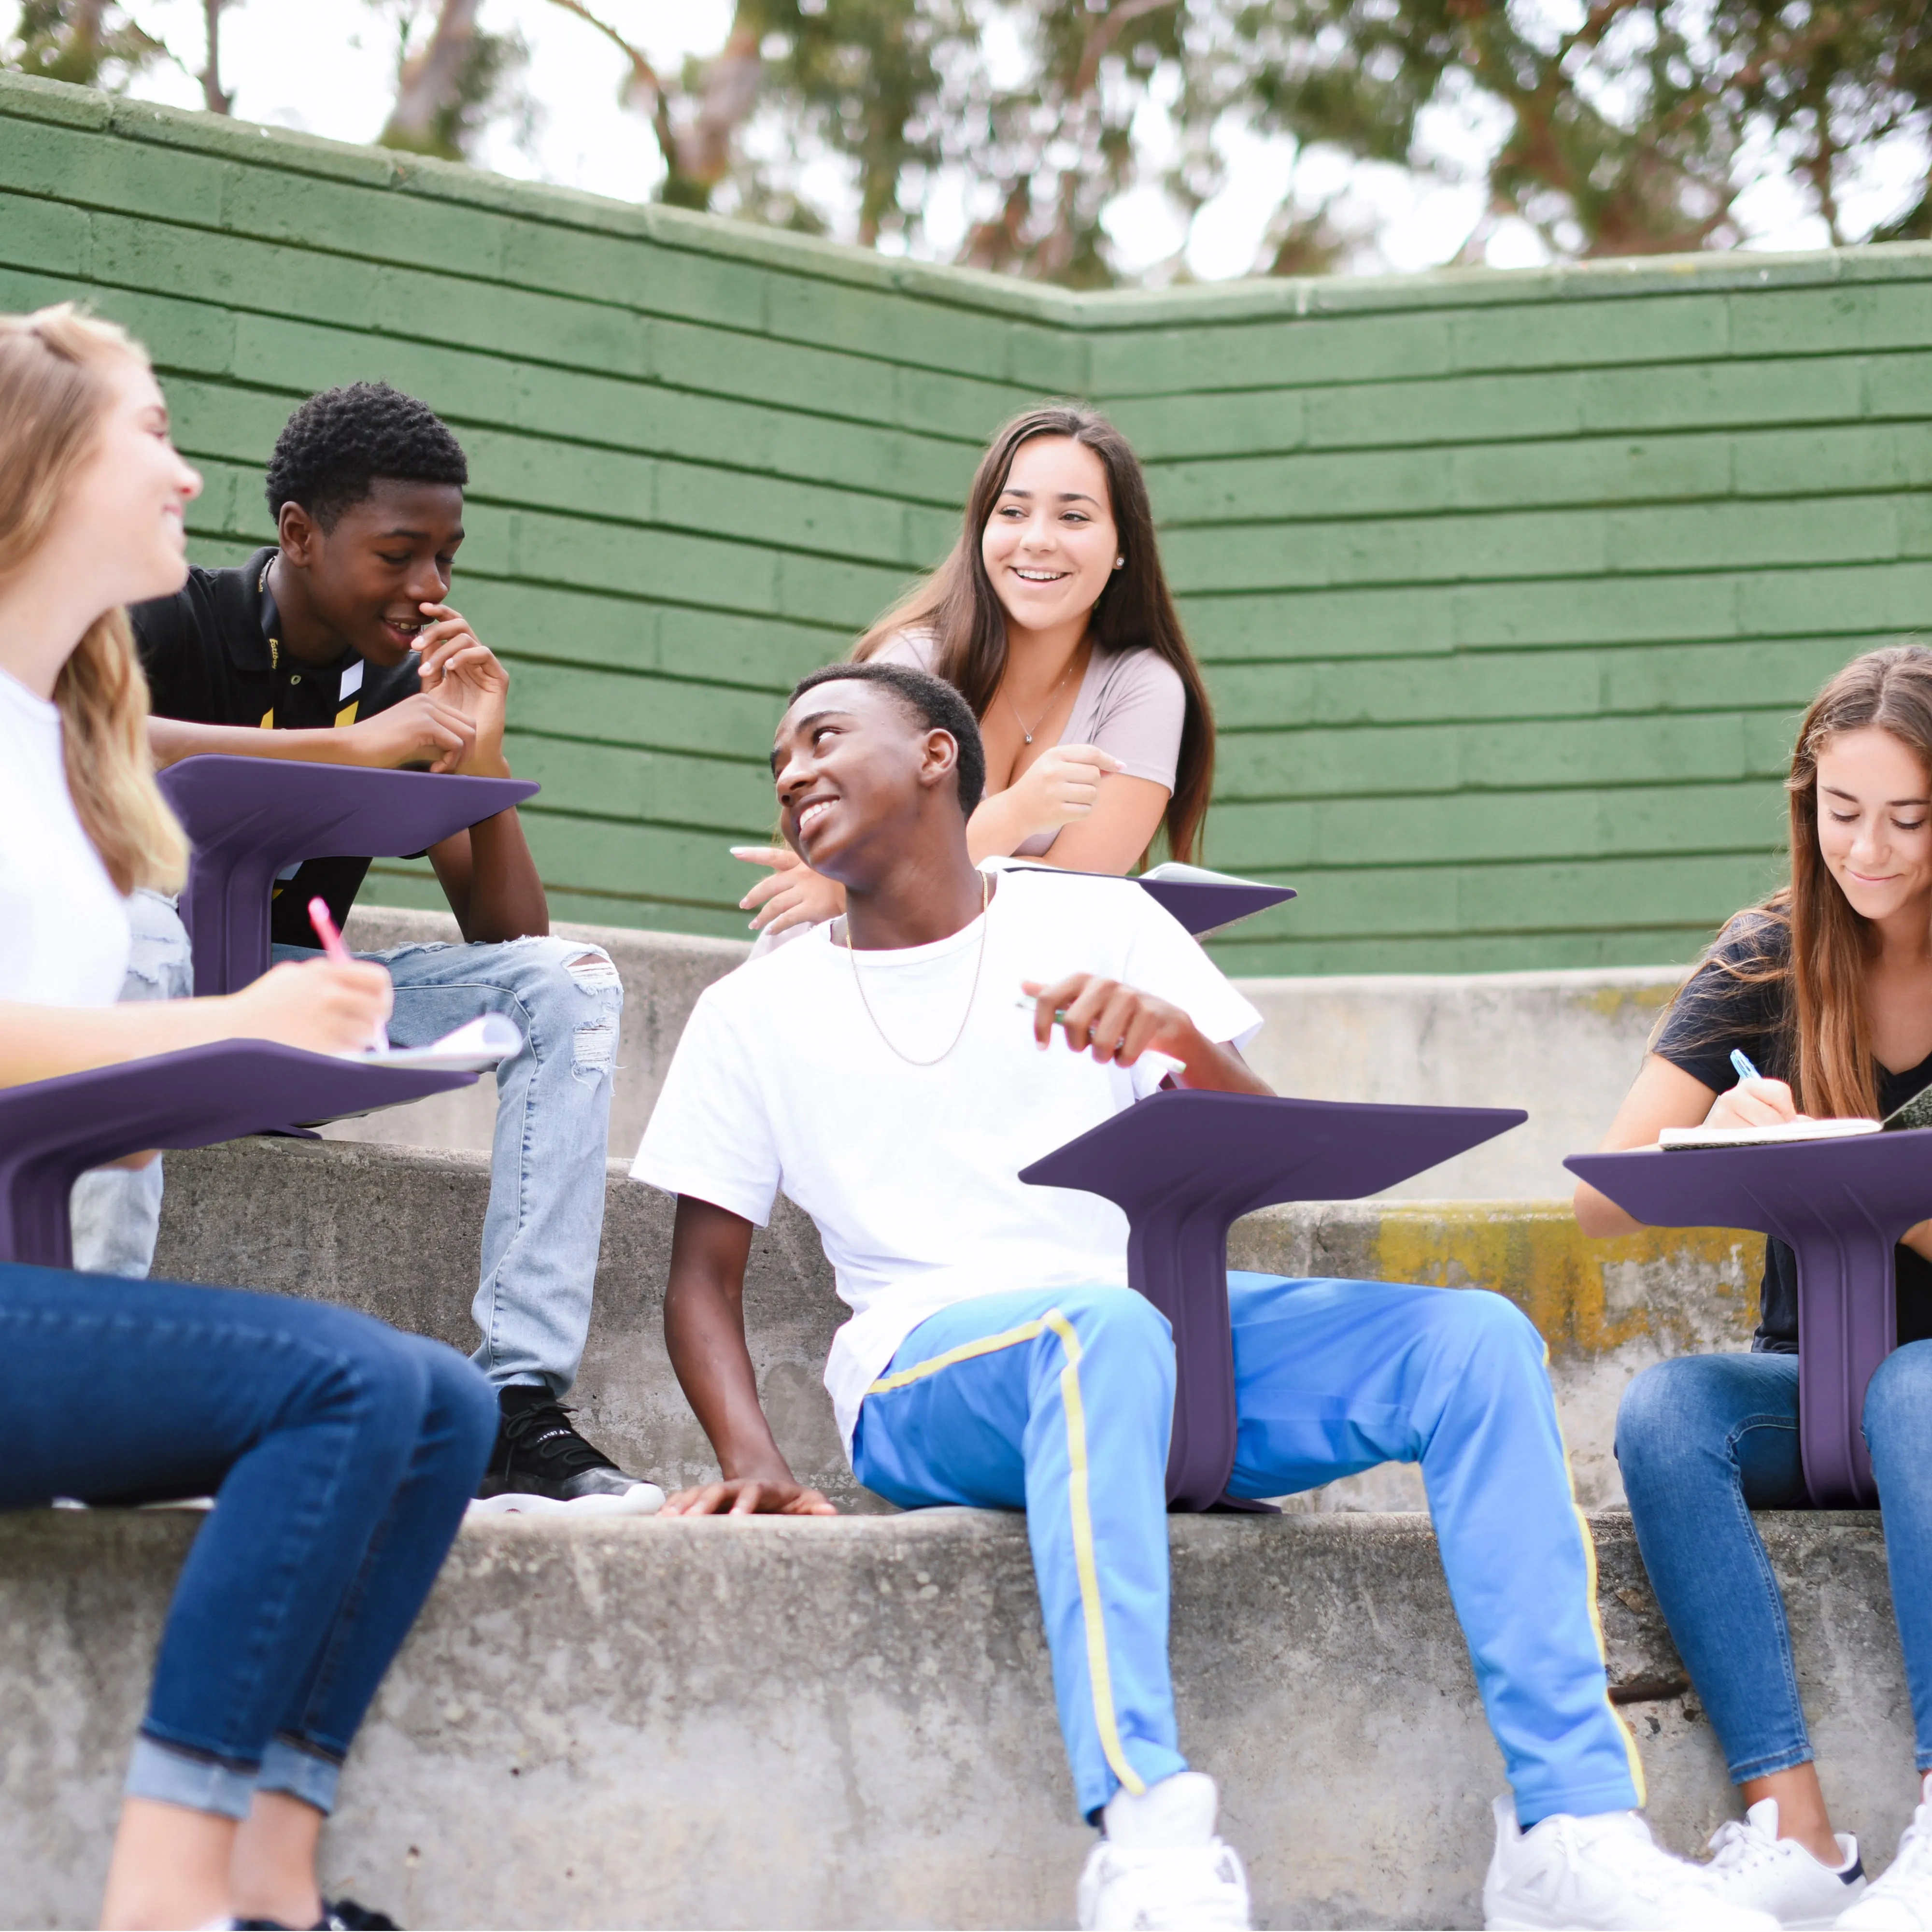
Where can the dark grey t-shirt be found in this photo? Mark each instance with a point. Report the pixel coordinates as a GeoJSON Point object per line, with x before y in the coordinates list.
{"type": "Point", "coordinates": [1717, 1011]}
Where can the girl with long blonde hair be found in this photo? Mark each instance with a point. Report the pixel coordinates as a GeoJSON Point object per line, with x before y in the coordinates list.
{"type": "Point", "coordinates": [343, 1453]}
{"type": "Point", "coordinates": [1824, 989]}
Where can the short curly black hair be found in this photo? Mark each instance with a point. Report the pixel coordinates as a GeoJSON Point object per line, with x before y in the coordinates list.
{"type": "Point", "coordinates": [332, 451]}
{"type": "Point", "coordinates": [936, 705]}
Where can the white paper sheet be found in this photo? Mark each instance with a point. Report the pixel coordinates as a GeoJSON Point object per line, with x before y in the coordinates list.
{"type": "Point", "coordinates": [469, 1049]}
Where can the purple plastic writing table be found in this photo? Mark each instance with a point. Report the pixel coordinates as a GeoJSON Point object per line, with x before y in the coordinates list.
{"type": "Point", "coordinates": [52, 1131]}
{"type": "Point", "coordinates": [1841, 1206]}
{"type": "Point", "coordinates": [1184, 1167]}
{"type": "Point", "coordinates": [250, 818]}
{"type": "Point", "coordinates": [1204, 905]}
{"type": "Point", "coordinates": [1201, 905]}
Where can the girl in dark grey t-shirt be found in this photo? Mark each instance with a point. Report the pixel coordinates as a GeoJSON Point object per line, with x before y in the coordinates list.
{"type": "Point", "coordinates": [1826, 989]}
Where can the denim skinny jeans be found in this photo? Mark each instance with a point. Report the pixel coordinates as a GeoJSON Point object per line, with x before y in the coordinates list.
{"type": "Point", "coordinates": [341, 1456]}
{"type": "Point", "coordinates": [545, 1220]}
{"type": "Point", "coordinates": [1705, 1440]}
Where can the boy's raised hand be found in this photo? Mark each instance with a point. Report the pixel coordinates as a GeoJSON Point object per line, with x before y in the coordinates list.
{"type": "Point", "coordinates": [420, 731]}
{"type": "Point", "coordinates": [465, 675]}
{"type": "Point", "coordinates": [1111, 1021]}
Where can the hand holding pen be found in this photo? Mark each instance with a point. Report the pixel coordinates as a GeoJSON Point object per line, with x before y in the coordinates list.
{"type": "Point", "coordinates": [1754, 1102]}
{"type": "Point", "coordinates": [331, 944]}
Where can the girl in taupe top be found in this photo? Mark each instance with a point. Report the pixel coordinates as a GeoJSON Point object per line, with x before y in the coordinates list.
{"type": "Point", "coordinates": [1053, 618]}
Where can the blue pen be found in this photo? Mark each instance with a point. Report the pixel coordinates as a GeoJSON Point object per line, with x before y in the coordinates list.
{"type": "Point", "coordinates": [1746, 1071]}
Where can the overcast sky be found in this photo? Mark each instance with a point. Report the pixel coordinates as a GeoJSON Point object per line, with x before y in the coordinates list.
{"type": "Point", "coordinates": [328, 66]}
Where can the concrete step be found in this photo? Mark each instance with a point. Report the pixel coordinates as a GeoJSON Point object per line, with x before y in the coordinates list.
{"type": "Point", "coordinates": [396, 1232]}
{"type": "Point", "coordinates": [1564, 1045]}
{"type": "Point", "coordinates": [849, 1723]}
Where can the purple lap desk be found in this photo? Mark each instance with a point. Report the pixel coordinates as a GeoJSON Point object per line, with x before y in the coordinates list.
{"type": "Point", "coordinates": [1184, 1167]}
{"type": "Point", "coordinates": [1201, 905]}
{"type": "Point", "coordinates": [52, 1131]}
{"type": "Point", "coordinates": [250, 818]}
{"type": "Point", "coordinates": [1840, 1206]}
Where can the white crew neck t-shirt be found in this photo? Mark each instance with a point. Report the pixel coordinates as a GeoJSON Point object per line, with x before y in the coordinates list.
{"type": "Point", "coordinates": [63, 935]}
{"type": "Point", "coordinates": [782, 1081]}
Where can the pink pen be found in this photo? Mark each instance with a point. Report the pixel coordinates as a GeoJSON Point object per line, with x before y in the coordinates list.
{"type": "Point", "coordinates": [332, 945]}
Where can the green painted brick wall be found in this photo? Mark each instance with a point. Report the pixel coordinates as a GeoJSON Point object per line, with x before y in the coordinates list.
{"type": "Point", "coordinates": [1510, 587]}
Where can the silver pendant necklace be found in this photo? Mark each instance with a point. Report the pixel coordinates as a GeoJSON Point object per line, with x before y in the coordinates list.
{"type": "Point", "coordinates": [985, 898]}
{"type": "Point", "coordinates": [1050, 697]}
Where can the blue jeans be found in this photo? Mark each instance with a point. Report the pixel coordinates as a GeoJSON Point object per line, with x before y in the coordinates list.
{"type": "Point", "coordinates": [116, 1211]}
{"type": "Point", "coordinates": [546, 1214]}
{"type": "Point", "coordinates": [341, 1456]}
{"type": "Point", "coordinates": [1705, 1440]}
{"type": "Point", "coordinates": [1060, 1402]}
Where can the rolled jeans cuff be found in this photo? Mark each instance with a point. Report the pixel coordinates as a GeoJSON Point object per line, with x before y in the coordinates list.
{"type": "Point", "coordinates": [306, 1774]}
{"type": "Point", "coordinates": [171, 1776]}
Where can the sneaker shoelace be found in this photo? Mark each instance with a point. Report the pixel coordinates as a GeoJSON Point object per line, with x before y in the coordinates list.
{"type": "Point", "coordinates": [543, 1433]}
{"type": "Point", "coordinates": [1735, 1846]}
{"type": "Point", "coordinates": [1644, 1868]}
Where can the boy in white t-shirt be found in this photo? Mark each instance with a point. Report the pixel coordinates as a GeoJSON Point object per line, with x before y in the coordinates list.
{"type": "Point", "coordinates": [881, 1078]}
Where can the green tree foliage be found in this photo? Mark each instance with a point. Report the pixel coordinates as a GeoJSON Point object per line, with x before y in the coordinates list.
{"type": "Point", "coordinates": [1614, 126]}
{"type": "Point", "coordinates": [1620, 127]}
{"type": "Point", "coordinates": [89, 42]}
{"type": "Point", "coordinates": [452, 77]}
{"type": "Point", "coordinates": [1625, 128]}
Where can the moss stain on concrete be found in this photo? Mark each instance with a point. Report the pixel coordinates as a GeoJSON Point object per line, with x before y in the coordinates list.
{"type": "Point", "coordinates": [1608, 1002]}
{"type": "Point", "coordinates": [1587, 1297]}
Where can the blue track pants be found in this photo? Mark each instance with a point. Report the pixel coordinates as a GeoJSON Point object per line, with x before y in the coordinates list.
{"type": "Point", "coordinates": [1060, 1402]}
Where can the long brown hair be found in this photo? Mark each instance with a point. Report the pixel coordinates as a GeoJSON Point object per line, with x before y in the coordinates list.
{"type": "Point", "coordinates": [53, 395]}
{"type": "Point", "coordinates": [1827, 1021]}
{"type": "Point", "coordinates": [957, 603]}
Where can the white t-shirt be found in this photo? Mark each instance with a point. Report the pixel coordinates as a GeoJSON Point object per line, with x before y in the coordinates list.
{"type": "Point", "coordinates": [64, 934]}
{"type": "Point", "coordinates": [782, 1081]}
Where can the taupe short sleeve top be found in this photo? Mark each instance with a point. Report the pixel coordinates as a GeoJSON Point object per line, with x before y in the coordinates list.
{"type": "Point", "coordinates": [1131, 703]}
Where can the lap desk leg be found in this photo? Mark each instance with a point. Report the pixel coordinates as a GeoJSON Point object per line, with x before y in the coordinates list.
{"type": "Point", "coordinates": [1183, 1167]}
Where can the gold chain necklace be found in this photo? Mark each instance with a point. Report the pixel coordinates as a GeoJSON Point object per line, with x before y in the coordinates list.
{"type": "Point", "coordinates": [1050, 696]}
{"type": "Point", "coordinates": [985, 899]}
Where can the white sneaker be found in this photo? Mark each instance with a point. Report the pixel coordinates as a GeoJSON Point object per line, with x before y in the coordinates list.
{"type": "Point", "coordinates": [1752, 1865]}
{"type": "Point", "coordinates": [1901, 1900]}
{"type": "Point", "coordinates": [640, 1499]}
{"type": "Point", "coordinates": [1606, 1873]}
{"type": "Point", "coordinates": [1160, 1864]}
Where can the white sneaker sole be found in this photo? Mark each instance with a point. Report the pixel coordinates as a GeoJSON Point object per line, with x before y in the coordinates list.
{"type": "Point", "coordinates": [640, 1499]}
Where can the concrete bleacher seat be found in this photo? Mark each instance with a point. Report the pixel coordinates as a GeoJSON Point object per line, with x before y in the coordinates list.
{"type": "Point", "coordinates": [850, 1723]}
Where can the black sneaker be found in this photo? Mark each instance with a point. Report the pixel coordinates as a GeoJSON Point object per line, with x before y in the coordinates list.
{"type": "Point", "coordinates": [343, 1914]}
{"type": "Point", "coordinates": [540, 1464]}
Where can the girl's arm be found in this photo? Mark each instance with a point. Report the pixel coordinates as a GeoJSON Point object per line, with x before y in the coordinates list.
{"type": "Point", "coordinates": [1663, 1095]}
{"type": "Point", "coordinates": [318, 1006]}
{"type": "Point", "coordinates": [1111, 839]}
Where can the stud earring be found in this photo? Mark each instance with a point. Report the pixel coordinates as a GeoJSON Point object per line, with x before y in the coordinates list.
{"type": "Point", "coordinates": [1118, 562]}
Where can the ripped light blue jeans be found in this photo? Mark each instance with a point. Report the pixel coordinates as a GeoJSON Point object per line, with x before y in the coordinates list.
{"type": "Point", "coordinates": [546, 1214]}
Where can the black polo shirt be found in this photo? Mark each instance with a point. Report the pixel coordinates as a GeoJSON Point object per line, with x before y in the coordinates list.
{"type": "Point", "coordinates": [213, 655]}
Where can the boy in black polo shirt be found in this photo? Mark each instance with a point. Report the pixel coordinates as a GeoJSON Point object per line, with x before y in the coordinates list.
{"type": "Point", "coordinates": [335, 644]}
